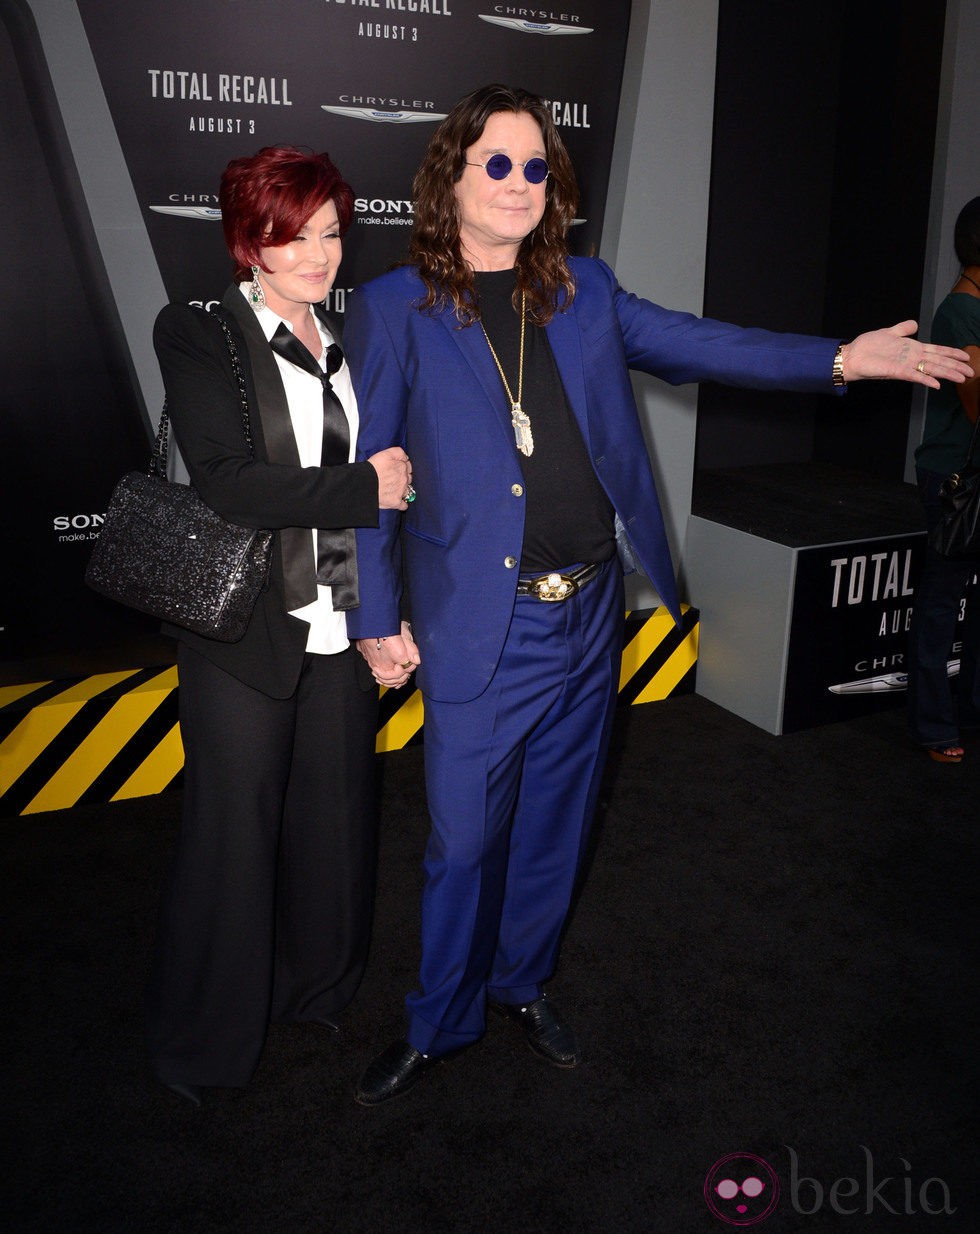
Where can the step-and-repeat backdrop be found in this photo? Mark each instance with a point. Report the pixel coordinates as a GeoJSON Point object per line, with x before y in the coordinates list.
{"type": "Point", "coordinates": [182, 87]}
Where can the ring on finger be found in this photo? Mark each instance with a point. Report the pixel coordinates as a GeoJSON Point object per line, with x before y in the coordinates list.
{"type": "Point", "coordinates": [409, 495]}
{"type": "Point", "coordinates": [921, 366]}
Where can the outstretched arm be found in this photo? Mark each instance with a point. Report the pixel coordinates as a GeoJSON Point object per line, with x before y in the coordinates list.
{"type": "Point", "coordinates": [893, 354]}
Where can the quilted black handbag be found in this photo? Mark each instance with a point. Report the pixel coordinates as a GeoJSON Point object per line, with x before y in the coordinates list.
{"type": "Point", "coordinates": [162, 551]}
{"type": "Point", "coordinates": [957, 534]}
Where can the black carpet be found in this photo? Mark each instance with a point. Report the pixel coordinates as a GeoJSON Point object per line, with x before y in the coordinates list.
{"type": "Point", "coordinates": [772, 955]}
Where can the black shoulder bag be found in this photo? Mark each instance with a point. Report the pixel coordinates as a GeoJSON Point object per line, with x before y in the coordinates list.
{"type": "Point", "coordinates": [164, 552]}
{"type": "Point", "coordinates": [957, 534]}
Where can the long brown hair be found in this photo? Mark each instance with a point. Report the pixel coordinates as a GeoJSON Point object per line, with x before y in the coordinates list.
{"type": "Point", "coordinates": [542, 260]}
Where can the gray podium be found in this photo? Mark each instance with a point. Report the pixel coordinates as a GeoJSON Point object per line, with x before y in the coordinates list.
{"type": "Point", "coordinates": [804, 576]}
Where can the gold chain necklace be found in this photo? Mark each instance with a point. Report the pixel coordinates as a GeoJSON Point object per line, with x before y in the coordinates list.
{"type": "Point", "coordinates": [518, 417]}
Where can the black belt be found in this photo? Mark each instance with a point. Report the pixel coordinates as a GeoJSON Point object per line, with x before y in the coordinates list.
{"type": "Point", "coordinates": [553, 587]}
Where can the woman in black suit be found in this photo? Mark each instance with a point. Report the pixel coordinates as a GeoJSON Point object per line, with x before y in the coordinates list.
{"type": "Point", "coordinates": [267, 911]}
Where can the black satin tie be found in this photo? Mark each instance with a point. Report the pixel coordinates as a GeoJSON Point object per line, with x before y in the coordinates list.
{"type": "Point", "coordinates": [336, 563]}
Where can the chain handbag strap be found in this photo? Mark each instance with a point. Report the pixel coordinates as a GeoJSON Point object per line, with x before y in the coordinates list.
{"type": "Point", "coordinates": [161, 447]}
{"type": "Point", "coordinates": [160, 452]}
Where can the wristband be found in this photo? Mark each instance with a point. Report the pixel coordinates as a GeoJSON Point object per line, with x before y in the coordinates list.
{"type": "Point", "coordinates": [839, 367]}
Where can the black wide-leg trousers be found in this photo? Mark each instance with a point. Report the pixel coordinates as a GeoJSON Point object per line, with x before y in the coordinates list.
{"type": "Point", "coordinates": [266, 914]}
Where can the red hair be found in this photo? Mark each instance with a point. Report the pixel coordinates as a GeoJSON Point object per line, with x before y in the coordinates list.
{"type": "Point", "coordinates": [265, 199]}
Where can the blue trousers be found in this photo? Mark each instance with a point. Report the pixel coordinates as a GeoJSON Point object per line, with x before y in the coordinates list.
{"type": "Point", "coordinates": [937, 704]}
{"type": "Point", "coordinates": [513, 779]}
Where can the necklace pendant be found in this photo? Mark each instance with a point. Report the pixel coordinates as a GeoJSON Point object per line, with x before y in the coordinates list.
{"type": "Point", "coordinates": [522, 429]}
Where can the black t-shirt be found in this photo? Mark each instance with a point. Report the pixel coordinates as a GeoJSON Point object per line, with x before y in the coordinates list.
{"type": "Point", "coordinates": [569, 518]}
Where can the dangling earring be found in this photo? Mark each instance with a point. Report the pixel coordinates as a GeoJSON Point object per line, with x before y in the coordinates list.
{"type": "Point", "coordinates": [256, 296]}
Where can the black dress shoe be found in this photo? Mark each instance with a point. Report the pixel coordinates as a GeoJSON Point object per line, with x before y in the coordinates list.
{"type": "Point", "coordinates": [546, 1032]}
{"type": "Point", "coordinates": [190, 1092]}
{"type": "Point", "coordinates": [392, 1073]}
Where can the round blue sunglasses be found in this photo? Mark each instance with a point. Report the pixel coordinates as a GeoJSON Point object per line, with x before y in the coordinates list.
{"type": "Point", "coordinates": [499, 167]}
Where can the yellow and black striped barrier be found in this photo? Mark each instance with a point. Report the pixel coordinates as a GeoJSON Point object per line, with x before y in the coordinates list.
{"type": "Point", "coordinates": [112, 736]}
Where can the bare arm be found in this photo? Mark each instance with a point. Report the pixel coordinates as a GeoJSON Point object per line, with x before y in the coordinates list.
{"type": "Point", "coordinates": [969, 391]}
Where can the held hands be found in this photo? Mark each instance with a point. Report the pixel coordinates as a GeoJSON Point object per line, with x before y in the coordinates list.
{"type": "Point", "coordinates": [392, 660]}
{"type": "Point", "coordinates": [394, 470]}
{"type": "Point", "coordinates": [893, 353]}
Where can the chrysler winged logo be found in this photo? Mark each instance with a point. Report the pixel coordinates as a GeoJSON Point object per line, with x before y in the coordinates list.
{"type": "Point", "coordinates": [385, 117]}
{"type": "Point", "coordinates": [884, 682]}
{"type": "Point", "coordinates": [190, 212]}
{"type": "Point", "coordinates": [535, 27]}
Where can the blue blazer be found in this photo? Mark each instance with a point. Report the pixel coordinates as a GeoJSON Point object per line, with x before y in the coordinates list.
{"type": "Point", "coordinates": [426, 384]}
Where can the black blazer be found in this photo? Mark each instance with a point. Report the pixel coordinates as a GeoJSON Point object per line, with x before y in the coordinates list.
{"type": "Point", "coordinates": [269, 490]}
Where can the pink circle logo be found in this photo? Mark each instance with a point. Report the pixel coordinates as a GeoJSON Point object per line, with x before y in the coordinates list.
{"type": "Point", "coordinates": [741, 1189]}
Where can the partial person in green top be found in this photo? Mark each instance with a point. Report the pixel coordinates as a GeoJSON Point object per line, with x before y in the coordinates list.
{"type": "Point", "coordinates": [941, 706]}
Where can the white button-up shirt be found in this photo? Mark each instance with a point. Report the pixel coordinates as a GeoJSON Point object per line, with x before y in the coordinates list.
{"type": "Point", "coordinates": [304, 395]}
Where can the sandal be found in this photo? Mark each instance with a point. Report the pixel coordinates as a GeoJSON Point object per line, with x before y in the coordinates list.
{"type": "Point", "coordinates": [946, 754]}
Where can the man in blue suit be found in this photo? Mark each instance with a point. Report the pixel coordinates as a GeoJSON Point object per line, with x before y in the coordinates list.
{"type": "Point", "coordinates": [502, 366]}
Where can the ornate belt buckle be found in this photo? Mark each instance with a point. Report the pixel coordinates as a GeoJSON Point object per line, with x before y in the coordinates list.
{"type": "Point", "coordinates": [552, 587]}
